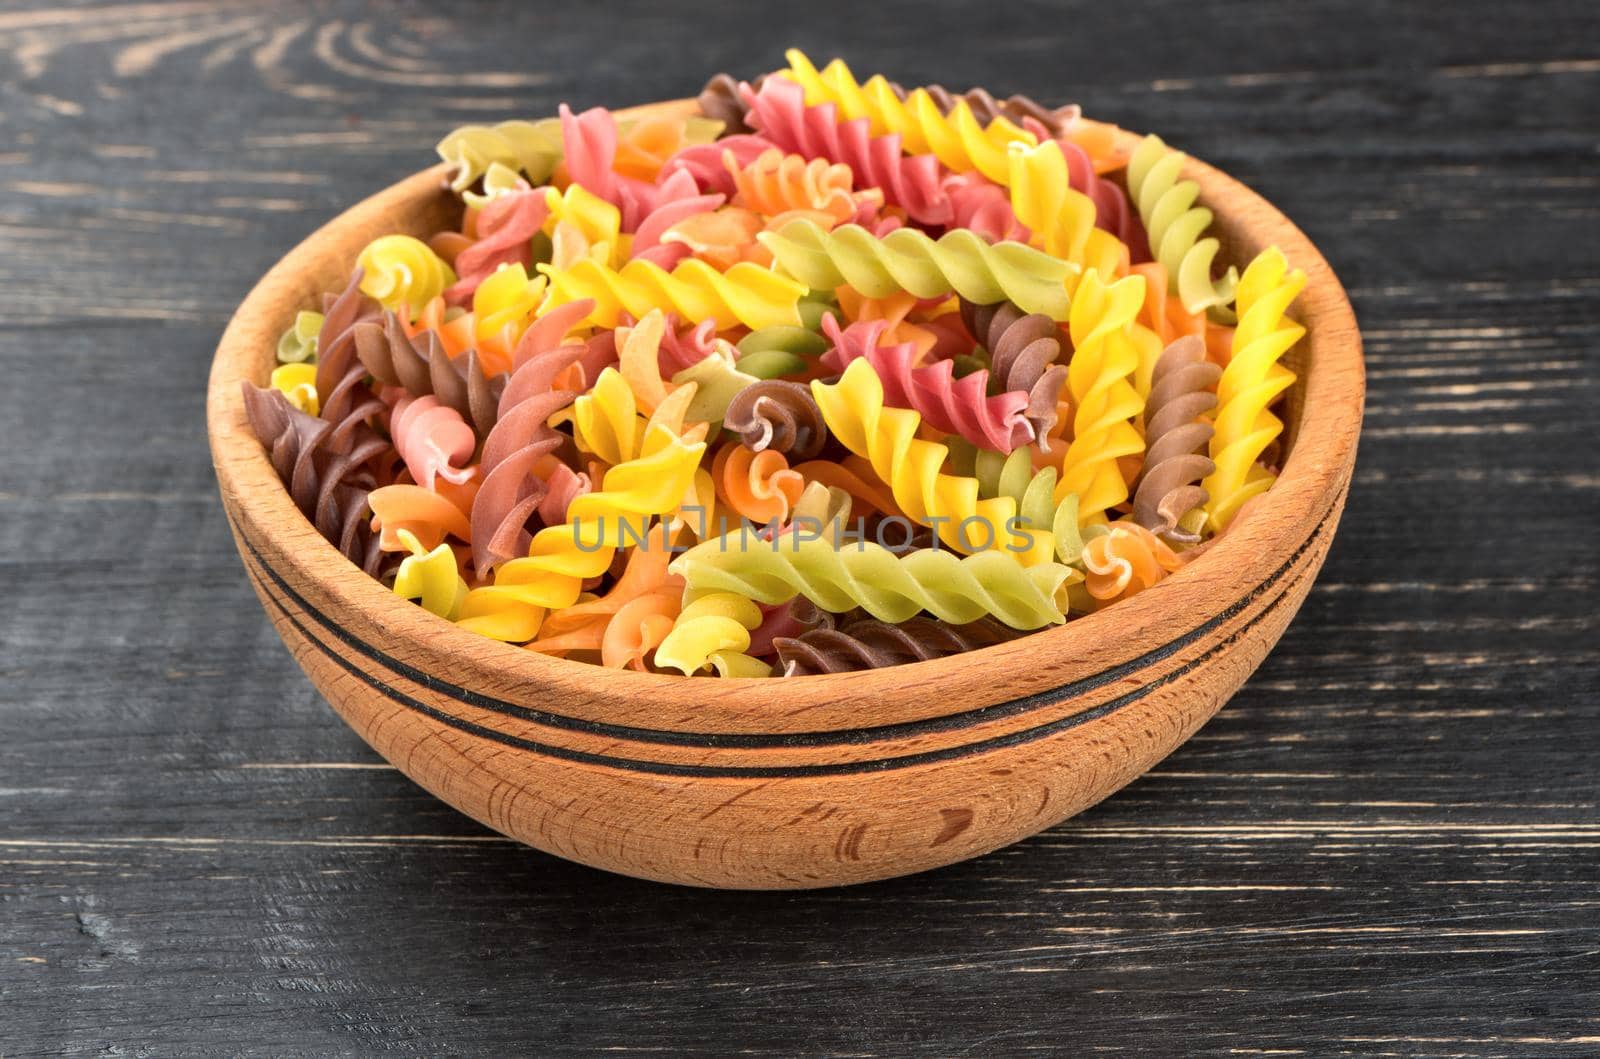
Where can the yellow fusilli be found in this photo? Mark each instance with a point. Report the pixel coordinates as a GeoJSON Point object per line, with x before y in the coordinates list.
{"type": "Point", "coordinates": [1252, 380]}
{"type": "Point", "coordinates": [854, 410]}
{"type": "Point", "coordinates": [1060, 217]}
{"type": "Point", "coordinates": [1105, 403]}
{"type": "Point", "coordinates": [561, 557]}
{"type": "Point", "coordinates": [430, 577]}
{"type": "Point", "coordinates": [713, 629]}
{"type": "Point", "coordinates": [746, 294]}
{"type": "Point", "coordinates": [956, 138]}
{"type": "Point", "coordinates": [399, 270]}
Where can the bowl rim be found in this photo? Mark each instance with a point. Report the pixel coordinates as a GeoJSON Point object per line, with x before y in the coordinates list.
{"type": "Point", "coordinates": [318, 583]}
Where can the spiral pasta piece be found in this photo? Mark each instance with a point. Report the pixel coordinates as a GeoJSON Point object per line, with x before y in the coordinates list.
{"type": "Point", "coordinates": [717, 380]}
{"type": "Point", "coordinates": [776, 183]}
{"type": "Point", "coordinates": [430, 578]}
{"type": "Point", "coordinates": [954, 135]}
{"type": "Point", "coordinates": [621, 161]}
{"type": "Point", "coordinates": [704, 164]}
{"type": "Point", "coordinates": [297, 382]}
{"type": "Point", "coordinates": [895, 311]}
{"type": "Point", "coordinates": [909, 260]}
{"type": "Point", "coordinates": [1177, 432]}
{"type": "Point", "coordinates": [855, 412]}
{"type": "Point", "coordinates": [657, 238]}
{"type": "Point", "coordinates": [419, 365]}
{"type": "Point", "coordinates": [778, 416]}
{"type": "Point", "coordinates": [630, 620]}
{"type": "Point", "coordinates": [719, 101]}
{"type": "Point", "coordinates": [1164, 313]}
{"type": "Point", "coordinates": [505, 228]}
{"type": "Point", "coordinates": [913, 183]}
{"type": "Point", "coordinates": [329, 483]}
{"type": "Point", "coordinates": [433, 440]}
{"type": "Point", "coordinates": [682, 346]}
{"type": "Point", "coordinates": [497, 180]}
{"type": "Point", "coordinates": [1099, 376]}
{"type": "Point", "coordinates": [502, 307]}
{"type": "Point", "coordinates": [399, 270]}
{"type": "Point", "coordinates": [760, 486]}
{"type": "Point", "coordinates": [854, 477]}
{"type": "Point", "coordinates": [1124, 560]}
{"type": "Point", "coordinates": [1050, 525]}
{"type": "Point", "coordinates": [867, 643]}
{"type": "Point", "coordinates": [1061, 218]}
{"type": "Point", "coordinates": [561, 557]}
{"type": "Point", "coordinates": [1253, 379]}
{"type": "Point", "coordinates": [746, 294]}
{"type": "Point", "coordinates": [521, 474]}
{"type": "Point", "coordinates": [948, 404]}
{"type": "Point", "coordinates": [722, 238]}
{"type": "Point", "coordinates": [712, 625]}
{"type": "Point", "coordinates": [821, 509]}
{"type": "Point", "coordinates": [645, 144]}
{"type": "Point", "coordinates": [606, 420]}
{"type": "Point", "coordinates": [532, 148]}
{"type": "Point", "coordinates": [1024, 356]}
{"type": "Point", "coordinates": [298, 343]}
{"type": "Point", "coordinates": [985, 207]}
{"type": "Point", "coordinates": [597, 221]}
{"type": "Point", "coordinates": [427, 515]}
{"type": "Point", "coordinates": [1175, 226]}
{"type": "Point", "coordinates": [776, 351]}
{"type": "Point", "coordinates": [1023, 110]}
{"type": "Point", "coordinates": [639, 359]}
{"type": "Point", "coordinates": [871, 577]}
{"type": "Point", "coordinates": [336, 345]}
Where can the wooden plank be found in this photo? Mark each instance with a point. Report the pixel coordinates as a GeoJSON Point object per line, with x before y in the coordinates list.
{"type": "Point", "coordinates": [1386, 844]}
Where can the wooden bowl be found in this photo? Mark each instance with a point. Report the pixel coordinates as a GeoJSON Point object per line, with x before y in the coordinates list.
{"type": "Point", "coordinates": [808, 782]}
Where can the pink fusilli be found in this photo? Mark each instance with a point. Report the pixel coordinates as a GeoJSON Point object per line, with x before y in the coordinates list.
{"type": "Point", "coordinates": [914, 183]}
{"type": "Point", "coordinates": [505, 232]}
{"type": "Point", "coordinates": [521, 444]}
{"type": "Point", "coordinates": [678, 198]}
{"type": "Point", "coordinates": [955, 406]}
{"type": "Point", "coordinates": [432, 439]}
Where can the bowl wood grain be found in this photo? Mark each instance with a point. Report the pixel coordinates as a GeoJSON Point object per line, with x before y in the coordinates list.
{"type": "Point", "coordinates": [800, 783]}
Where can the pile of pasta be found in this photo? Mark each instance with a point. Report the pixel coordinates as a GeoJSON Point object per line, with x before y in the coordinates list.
{"type": "Point", "coordinates": [829, 376]}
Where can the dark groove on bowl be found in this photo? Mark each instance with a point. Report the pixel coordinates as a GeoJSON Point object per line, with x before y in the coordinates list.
{"type": "Point", "coordinates": [792, 771]}
{"type": "Point", "coordinates": [833, 737]}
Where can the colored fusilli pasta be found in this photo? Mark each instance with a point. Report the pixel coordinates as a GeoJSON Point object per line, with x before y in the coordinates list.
{"type": "Point", "coordinates": [839, 375]}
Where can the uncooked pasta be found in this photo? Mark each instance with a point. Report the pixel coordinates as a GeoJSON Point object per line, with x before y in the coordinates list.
{"type": "Point", "coordinates": [832, 375]}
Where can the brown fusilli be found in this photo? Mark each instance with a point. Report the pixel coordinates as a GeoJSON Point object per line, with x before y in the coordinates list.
{"type": "Point", "coordinates": [871, 644]}
{"type": "Point", "coordinates": [778, 415]}
{"type": "Point", "coordinates": [327, 466]}
{"type": "Point", "coordinates": [1024, 350]}
{"type": "Point", "coordinates": [1181, 393]}
{"type": "Point", "coordinates": [336, 345]}
{"type": "Point", "coordinates": [720, 101]}
{"type": "Point", "coordinates": [421, 366]}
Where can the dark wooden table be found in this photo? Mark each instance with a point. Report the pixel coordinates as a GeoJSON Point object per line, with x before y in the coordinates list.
{"type": "Point", "coordinates": [1388, 843]}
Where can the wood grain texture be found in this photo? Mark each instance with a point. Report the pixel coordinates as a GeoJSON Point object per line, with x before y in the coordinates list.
{"type": "Point", "coordinates": [1385, 844]}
